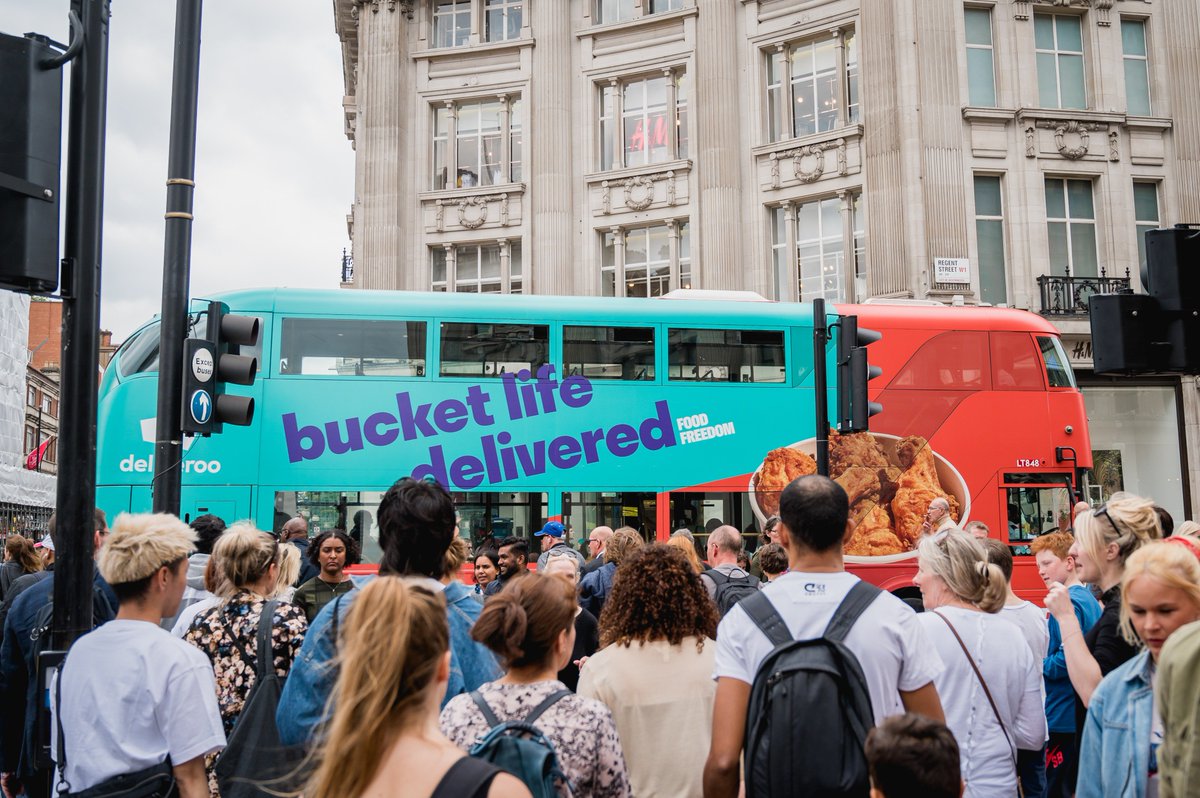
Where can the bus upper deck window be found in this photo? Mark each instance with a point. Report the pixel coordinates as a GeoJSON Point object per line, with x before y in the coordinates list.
{"type": "Point", "coordinates": [951, 361]}
{"type": "Point", "coordinates": [1016, 365]}
{"type": "Point", "coordinates": [726, 355]}
{"type": "Point", "coordinates": [489, 350]}
{"type": "Point", "coordinates": [353, 347]}
{"type": "Point", "coordinates": [139, 354]}
{"type": "Point", "coordinates": [1058, 368]}
{"type": "Point", "coordinates": [609, 353]}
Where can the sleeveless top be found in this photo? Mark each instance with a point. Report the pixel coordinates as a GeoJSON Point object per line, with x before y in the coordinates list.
{"type": "Point", "coordinates": [467, 778]}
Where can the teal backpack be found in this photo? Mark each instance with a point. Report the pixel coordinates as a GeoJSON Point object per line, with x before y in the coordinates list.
{"type": "Point", "coordinates": [519, 747]}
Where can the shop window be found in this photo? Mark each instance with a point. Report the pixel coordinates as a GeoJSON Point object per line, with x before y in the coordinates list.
{"type": "Point", "coordinates": [477, 143]}
{"type": "Point", "coordinates": [1136, 60]}
{"type": "Point", "coordinates": [643, 120]}
{"type": "Point", "coordinates": [1071, 227]}
{"type": "Point", "coordinates": [1016, 363]}
{"type": "Point", "coordinates": [981, 65]}
{"type": "Point", "coordinates": [609, 353]}
{"type": "Point", "coordinates": [989, 238]}
{"type": "Point", "coordinates": [812, 85]}
{"type": "Point", "coordinates": [477, 268]}
{"type": "Point", "coordinates": [704, 355]}
{"type": "Point", "coordinates": [352, 347]}
{"type": "Point", "coordinates": [950, 361]}
{"type": "Point", "coordinates": [1060, 69]}
{"type": "Point", "coordinates": [490, 350]}
{"type": "Point", "coordinates": [646, 261]}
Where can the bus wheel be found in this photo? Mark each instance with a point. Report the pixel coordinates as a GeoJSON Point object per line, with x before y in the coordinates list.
{"type": "Point", "coordinates": [910, 596]}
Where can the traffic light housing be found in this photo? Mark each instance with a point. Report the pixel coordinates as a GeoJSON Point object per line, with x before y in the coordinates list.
{"type": "Point", "coordinates": [1159, 331]}
{"type": "Point", "coordinates": [209, 364]}
{"type": "Point", "coordinates": [30, 145]}
{"type": "Point", "coordinates": [854, 372]}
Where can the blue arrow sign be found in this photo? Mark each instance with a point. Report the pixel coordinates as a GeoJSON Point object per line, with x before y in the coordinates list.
{"type": "Point", "coordinates": [201, 407]}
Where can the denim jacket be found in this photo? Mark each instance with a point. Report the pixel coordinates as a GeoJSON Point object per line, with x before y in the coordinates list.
{"type": "Point", "coordinates": [302, 703]}
{"type": "Point", "coordinates": [1115, 758]}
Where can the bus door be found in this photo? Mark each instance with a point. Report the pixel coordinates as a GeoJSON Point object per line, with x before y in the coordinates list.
{"type": "Point", "coordinates": [583, 511]}
{"type": "Point", "coordinates": [1034, 504]}
{"type": "Point", "coordinates": [228, 502]}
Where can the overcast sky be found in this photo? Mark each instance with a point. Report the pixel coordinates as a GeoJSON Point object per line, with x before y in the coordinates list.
{"type": "Point", "coordinates": [274, 170]}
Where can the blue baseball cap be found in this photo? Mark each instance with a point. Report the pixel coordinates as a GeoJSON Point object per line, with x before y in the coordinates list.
{"type": "Point", "coordinates": [552, 528]}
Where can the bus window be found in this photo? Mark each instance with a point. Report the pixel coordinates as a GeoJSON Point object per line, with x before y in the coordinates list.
{"type": "Point", "coordinates": [584, 511]}
{"type": "Point", "coordinates": [1016, 365]}
{"type": "Point", "coordinates": [485, 519]}
{"type": "Point", "coordinates": [1058, 368]}
{"type": "Point", "coordinates": [952, 361]}
{"type": "Point", "coordinates": [703, 512]}
{"type": "Point", "coordinates": [489, 350]}
{"type": "Point", "coordinates": [726, 355]}
{"type": "Point", "coordinates": [1036, 509]}
{"type": "Point", "coordinates": [352, 347]}
{"type": "Point", "coordinates": [139, 355]}
{"type": "Point", "coordinates": [609, 353]}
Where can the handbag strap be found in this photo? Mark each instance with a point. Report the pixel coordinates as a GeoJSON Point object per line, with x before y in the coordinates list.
{"type": "Point", "coordinates": [266, 653]}
{"type": "Point", "coordinates": [62, 786]}
{"type": "Point", "coordinates": [982, 681]}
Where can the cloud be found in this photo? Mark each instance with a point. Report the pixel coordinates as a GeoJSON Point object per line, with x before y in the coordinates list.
{"type": "Point", "coordinates": [274, 171]}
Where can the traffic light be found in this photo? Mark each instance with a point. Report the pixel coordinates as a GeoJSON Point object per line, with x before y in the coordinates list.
{"type": "Point", "coordinates": [1158, 331]}
{"type": "Point", "coordinates": [854, 372]}
{"type": "Point", "coordinates": [209, 364]}
{"type": "Point", "coordinates": [30, 143]}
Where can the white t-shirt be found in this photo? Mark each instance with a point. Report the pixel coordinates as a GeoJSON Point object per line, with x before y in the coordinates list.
{"type": "Point", "coordinates": [1014, 677]}
{"type": "Point", "coordinates": [887, 639]}
{"type": "Point", "coordinates": [1031, 620]}
{"type": "Point", "coordinates": [132, 695]}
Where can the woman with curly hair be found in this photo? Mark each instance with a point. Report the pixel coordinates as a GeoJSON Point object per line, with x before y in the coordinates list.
{"type": "Point", "coordinates": [331, 552]}
{"type": "Point", "coordinates": [655, 670]}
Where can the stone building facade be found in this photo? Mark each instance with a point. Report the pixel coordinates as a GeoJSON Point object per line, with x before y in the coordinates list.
{"type": "Point", "coordinates": [1006, 152]}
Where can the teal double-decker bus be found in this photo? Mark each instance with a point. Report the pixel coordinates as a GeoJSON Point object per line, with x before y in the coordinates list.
{"type": "Point", "coordinates": [649, 413]}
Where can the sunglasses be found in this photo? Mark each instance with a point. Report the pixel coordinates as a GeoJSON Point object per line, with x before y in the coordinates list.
{"type": "Point", "coordinates": [1102, 510]}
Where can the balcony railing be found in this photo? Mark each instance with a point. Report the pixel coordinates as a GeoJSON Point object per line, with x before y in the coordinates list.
{"type": "Point", "coordinates": [1068, 295]}
{"type": "Point", "coordinates": [347, 267]}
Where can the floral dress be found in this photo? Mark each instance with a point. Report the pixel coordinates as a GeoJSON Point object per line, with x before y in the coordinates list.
{"type": "Point", "coordinates": [228, 635]}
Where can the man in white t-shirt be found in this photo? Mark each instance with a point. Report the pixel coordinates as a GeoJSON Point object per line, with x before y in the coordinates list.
{"type": "Point", "coordinates": [133, 696]}
{"type": "Point", "coordinates": [891, 646]}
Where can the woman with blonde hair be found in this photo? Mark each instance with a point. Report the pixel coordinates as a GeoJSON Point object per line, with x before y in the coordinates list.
{"type": "Point", "coordinates": [20, 558]}
{"type": "Point", "coordinates": [1104, 539]}
{"type": "Point", "coordinates": [228, 633]}
{"type": "Point", "coordinates": [991, 688]}
{"type": "Point", "coordinates": [530, 625]}
{"type": "Point", "coordinates": [289, 572]}
{"type": "Point", "coordinates": [689, 551]}
{"type": "Point", "coordinates": [1160, 592]}
{"type": "Point", "coordinates": [395, 649]}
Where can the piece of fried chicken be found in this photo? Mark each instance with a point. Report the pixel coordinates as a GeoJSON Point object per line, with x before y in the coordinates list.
{"type": "Point", "coordinates": [854, 449]}
{"type": "Point", "coordinates": [873, 536]}
{"type": "Point", "coordinates": [780, 467]}
{"type": "Point", "coordinates": [916, 488]}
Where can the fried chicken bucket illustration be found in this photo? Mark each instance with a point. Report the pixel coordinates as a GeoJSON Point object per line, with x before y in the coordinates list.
{"type": "Point", "coordinates": [889, 480]}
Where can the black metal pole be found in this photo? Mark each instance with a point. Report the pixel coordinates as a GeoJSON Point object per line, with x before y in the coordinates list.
{"type": "Point", "coordinates": [820, 384]}
{"type": "Point", "coordinates": [177, 256]}
{"type": "Point", "coordinates": [76, 497]}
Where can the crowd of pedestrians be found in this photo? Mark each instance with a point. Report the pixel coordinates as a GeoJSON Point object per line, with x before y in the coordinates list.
{"type": "Point", "coordinates": [221, 668]}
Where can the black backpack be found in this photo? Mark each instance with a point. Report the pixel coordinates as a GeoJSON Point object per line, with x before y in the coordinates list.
{"type": "Point", "coordinates": [731, 589]}
{"type": "Point", "coordinates": [810, 709]}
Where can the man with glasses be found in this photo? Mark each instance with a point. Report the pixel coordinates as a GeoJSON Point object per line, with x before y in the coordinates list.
{"type": "Point", "coordinates": [937, 518]}
{"type": "Point", "coordinates": [596, 543]}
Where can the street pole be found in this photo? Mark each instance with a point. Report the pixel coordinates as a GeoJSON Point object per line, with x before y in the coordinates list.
{"type": "Point", "coordinates": [76, 496]}
{"type": "Point", "coordinates": [177, 254]}
{"type": "Point", "coordinates": [820, 383]}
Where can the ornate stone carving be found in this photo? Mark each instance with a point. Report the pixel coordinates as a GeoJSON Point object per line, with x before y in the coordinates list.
{"type": "Point", "coordinates": [639, 192]}
{"type": "Point", "coordinates": [1030, 142]}
{"type": "Point", "coordinates": [1072, 127]}
{"type": "Point", "coordinates": [671, 187]}
{"type": "Point", "coordinates": [503, 200]}
{"type": "Point", "coordinates": [440, 215]}
{"type": "Point", "coordinates": [606, 197]}
{"type": "Point", "coordinates": [1102, 9]}
{"type": "Point", "coordinates": [405, 6]}
{"type": "Point", "coordinates": [842, 161]}
{"type": "Point", "coordinates": [1114, 145]}
{"type": "Point", "coordinates": [813, 154]}
{"type": "Point", "coordinates": [472, 220]}
{"type": "Point", "coordinates": [1021, 9]}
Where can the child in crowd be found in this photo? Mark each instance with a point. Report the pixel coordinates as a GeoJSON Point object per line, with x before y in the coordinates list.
{"type": "Point", "coordinates": [911, 756]}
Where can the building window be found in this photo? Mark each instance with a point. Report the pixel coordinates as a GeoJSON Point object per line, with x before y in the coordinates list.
{"type": "Point", "coordinates": [1071, 227]}
{"type": "Point", "coordinates": [31, 396]}
{"type": "Point", "coordinates": [451, 23]}
{"type": "Point", "coordinates": [502, 20]}
{"type": "Point", "coordinates": [981, 65]}
{"type": "Point", "coordinates": [1059, 44]}
{"type": "Point", "coordinates": [824, 234]}
{"type": "Point", "coordinates": [30, 438]}
{"type": "Point", "coordinates": [637, 126]}
{"type": "Point", "coordinates": [989, 237]}
{"type": "Point", "coordinates": [610, 11]}
{"type": "Point", "coordinates": [812, 86]}
{"type": "Point", "coordinates": [47, 404]}
{"type": "Point", "coordinates": [1137, 66]}
{"type": "Point", "coordinates": [1145, 211]}
{"type": "Point", "coordinates": [481, 139]}
{"type": "Point", "coordinates": [477, 268]}
{"type": "Point", "coordinates": [646, 261]}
